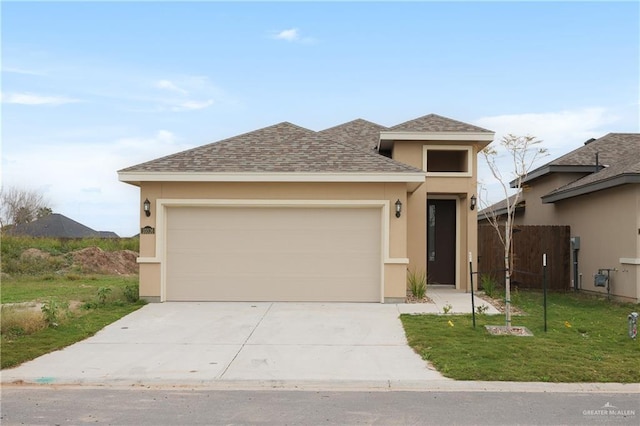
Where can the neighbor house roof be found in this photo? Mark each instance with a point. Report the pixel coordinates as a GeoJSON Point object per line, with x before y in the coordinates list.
{"type": "Point", "coordinates": [619, 164]}
{"type": "Point", "coordinates": [360, 133]}
{"type": "Point", "coordinates": [56, 225]}
{"type": "Point", "coordinates": [500, 208]}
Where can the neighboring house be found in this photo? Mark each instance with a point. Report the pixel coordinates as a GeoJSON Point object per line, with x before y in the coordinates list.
{"type": "Point", "coordinates": [594, 189]}
{"type": "Point", "coordinates": [56, 225]}
{"type": "Point", "coordinates": [285, 213]}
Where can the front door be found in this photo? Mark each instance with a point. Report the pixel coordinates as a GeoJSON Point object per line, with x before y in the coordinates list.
{"type": "Point", "coordinates": [441, 241]}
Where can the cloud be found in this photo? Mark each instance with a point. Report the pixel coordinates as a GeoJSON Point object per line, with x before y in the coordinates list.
{"type": "Point", "coordinates": [14, 70]}
{"type": "Point", "coordinates": [34, 99]}
{"type": "Point", "coordinates": [560, 132]}
{"type": "Point", "coordinates": [80, 178]}
{"type": "Point", "coordinates": [192, 105]}
{"type": "Point", "coordinates": [168, 85]}
{"type": "Point", "coordinates": [292, 35]}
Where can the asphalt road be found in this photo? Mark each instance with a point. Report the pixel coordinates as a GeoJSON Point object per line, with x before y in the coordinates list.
{"type": "Point", "coordinates": [139, 406]}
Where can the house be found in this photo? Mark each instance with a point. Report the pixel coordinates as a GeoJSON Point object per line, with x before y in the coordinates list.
{"type": "Point", "coordinates": [594, 189]}
{"type": "Point", "coordinates": [55, 225]}
{"type": "Point", "coordinates": [286, 213]}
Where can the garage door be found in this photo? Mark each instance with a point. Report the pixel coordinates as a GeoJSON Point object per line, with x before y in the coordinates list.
{"type": "Point", "coordinates": [273, 254]}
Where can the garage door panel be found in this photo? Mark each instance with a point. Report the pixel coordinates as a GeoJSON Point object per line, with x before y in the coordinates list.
{"type": "Point", "coordinates": [296, 254]}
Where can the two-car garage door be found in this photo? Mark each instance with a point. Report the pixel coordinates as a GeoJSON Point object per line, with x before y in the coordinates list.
{"type": "Point", "coordinates": [273, 254]}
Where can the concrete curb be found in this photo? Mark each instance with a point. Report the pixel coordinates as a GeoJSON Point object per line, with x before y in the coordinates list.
{"type": "Point", "coordinates": [342, 386]}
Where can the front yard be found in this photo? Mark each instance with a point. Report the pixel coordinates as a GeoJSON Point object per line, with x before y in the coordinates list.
{"type": "Point", "coordinates": [586, 341]}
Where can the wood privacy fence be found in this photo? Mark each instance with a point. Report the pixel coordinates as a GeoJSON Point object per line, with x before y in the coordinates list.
{"type": "Point", "coordinates": [529, 244]}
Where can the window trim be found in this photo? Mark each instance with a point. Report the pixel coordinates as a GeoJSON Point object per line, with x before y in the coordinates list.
{"type": "Point", "coordinates": [427, 148]}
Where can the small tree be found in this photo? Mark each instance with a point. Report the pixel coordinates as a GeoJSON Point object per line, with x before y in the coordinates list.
{"type": "Point", "coordinates": [523, 151]}
{"type": "Point", "coordinates": [19, 206]}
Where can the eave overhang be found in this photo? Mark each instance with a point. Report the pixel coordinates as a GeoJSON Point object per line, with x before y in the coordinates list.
{"type": "Point", "coordinates": [389, 137]}
{"type": "Point", "coordinates": [545, 170]}
{"type": "Point", "coordinates": [413, 180]}
{"type": "Point", "coordinates": [617, 180]}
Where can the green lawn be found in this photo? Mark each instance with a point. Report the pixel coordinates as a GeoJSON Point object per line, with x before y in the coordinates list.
{"type": "Point", "coordinates": [586, 341]}
{"type": "Point", "coordinates": [20, 345]}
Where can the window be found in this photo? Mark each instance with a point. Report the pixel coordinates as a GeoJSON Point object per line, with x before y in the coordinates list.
{"type": "Point", "coordinates": [443, 160]}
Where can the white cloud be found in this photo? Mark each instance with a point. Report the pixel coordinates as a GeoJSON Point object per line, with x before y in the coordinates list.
{"type": "Point", "coordinates": [560, 132]}
{"type": "Point", "coordinates": [292, 35]}
{"type": "Point", "coordinates": [288, 35]}
{"type": "Point", "coordinates": [80, 179]}
{"type": "Point", "coordinates": [14, 70]}
{"type": "Point", "coordinates": [192, 105]}
{"type": "Point", "coordinates": [168, 85]}
{"type": "Point", "coordinates": [34, 99]}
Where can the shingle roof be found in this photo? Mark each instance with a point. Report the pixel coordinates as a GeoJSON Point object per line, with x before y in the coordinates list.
{"type": "Point", "coordinates": [436, 123]}
{"type": "Point", "coordinates": [360, 133]}
{"type": "Point", "coordinates": [281, 148]}
{"type": "Point", "coordinates": [56, 225]}
{"type": "Point", "coordinates": [619, 153]}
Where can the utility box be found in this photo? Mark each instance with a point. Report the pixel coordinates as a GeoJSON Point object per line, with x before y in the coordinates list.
{"type": "Point", "coordinates": [600, 280]}
{"type": "Point", "coordinates": [575, 243]}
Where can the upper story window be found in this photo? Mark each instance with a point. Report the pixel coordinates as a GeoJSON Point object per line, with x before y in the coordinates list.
{"type": "Point", "coordinates": [447, 160]}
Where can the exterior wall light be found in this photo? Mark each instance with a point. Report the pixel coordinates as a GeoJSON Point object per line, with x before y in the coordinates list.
{"type": "Point", "coordinates": [146, 206]}
{"type": "Point", "coordinates": [472, 206]}
{"type": "Point", "coordinates": [398, 208]}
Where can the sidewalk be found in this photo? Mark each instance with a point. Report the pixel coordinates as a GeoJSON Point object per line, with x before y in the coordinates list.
{"type": "Point", "coordinates": [446, 295]}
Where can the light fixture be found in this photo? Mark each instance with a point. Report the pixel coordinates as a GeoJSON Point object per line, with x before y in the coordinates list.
{"type": "Point", "coordinates": [398, 208]}
{"type": "Point", "coordinates": [147, 207]}
{"type": "Point", "coordinates": [472, 206]}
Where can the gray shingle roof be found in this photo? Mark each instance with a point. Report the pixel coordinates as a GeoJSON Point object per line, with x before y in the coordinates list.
{"type": "Point", "coordinates": [360, 133]}
{"type": "Point", "coordinates": [436, 123]}
{"type": "Point", "coordinates": [282, 148]}
{"type": "Point", "coordinates": [56, 225]}
{"type": "Point", "coordinates": [618, 152]}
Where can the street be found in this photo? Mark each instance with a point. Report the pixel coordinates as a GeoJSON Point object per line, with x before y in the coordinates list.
{"type": "Point", "coordinates": [144, 406]}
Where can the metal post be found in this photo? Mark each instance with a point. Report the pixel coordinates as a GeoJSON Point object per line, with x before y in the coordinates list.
{"type": "Point", "coordinates": [473, 306]}
{"type": "Point", "coordinates": [544, 286]}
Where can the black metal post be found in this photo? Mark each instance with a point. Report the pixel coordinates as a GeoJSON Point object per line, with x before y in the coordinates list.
{"type": "Point", "coordinates": [544, 286]}
{"type": "Point", "coordinates": [473, 306]}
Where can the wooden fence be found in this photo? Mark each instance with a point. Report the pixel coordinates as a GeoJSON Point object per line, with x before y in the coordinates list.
{"type": "Point", "coordinates": [529, 244]}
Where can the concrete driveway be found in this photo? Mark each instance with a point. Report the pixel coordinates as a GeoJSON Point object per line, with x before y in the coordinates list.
{"type": "Point", "coordinates": [210, 343]}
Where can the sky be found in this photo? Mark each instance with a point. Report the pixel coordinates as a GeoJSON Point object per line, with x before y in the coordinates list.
{"type": "Point", "coordinates": [89, 88]}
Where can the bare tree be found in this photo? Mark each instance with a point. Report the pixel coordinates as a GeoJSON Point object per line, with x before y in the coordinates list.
{"type": "Point", "coordinates": [19, 206]}
{"type": "Point", "coordinates": [522, 151]}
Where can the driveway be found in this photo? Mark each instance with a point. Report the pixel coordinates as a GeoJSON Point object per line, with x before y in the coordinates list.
{"type": "Point", "coordinates": [211, 343]}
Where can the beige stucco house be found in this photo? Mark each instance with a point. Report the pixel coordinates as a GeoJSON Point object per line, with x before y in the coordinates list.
{"type": "Point", "coordinates": [285, 213]}
{"type": "Point", "coordinates": [594, 189]}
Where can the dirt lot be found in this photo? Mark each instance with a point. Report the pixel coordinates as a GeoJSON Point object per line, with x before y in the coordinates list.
{"type": "Point", "coordinates": [94, 260]}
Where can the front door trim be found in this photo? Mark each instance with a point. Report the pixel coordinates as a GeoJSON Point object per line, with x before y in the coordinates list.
{"type": "Point", "coordinates": [458, 245]}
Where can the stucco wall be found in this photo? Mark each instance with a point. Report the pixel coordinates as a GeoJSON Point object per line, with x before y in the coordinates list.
{"type": "Point", "coordinates": [394, 269]}
{"type": "Point", "coordinates": [459, 188]}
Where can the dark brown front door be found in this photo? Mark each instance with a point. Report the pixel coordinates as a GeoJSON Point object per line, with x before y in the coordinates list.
{"type": "Point", "coordinates": [441, 241]}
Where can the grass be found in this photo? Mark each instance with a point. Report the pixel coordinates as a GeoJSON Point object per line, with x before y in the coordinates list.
{"type": "Point", "coordinates": [24, 348]}
{"type": "Point", "coordinates": [586, 341]}
{"type": "Point", "coordinates": [68, 288]}
{"type": "Point", "coordinates": [27, 334]}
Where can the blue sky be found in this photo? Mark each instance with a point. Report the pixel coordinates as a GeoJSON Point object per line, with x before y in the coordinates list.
{"type": "Point", "coordinates": [89, 88]}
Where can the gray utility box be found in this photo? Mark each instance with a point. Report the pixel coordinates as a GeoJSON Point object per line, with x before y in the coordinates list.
{"type": "Point", "coordinates": [600, 280]}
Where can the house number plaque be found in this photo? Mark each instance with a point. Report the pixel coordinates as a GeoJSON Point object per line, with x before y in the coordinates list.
{"type": "Point", "coordinates": [148, 230]}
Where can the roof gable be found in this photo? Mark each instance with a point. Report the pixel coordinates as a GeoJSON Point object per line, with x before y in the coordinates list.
{"type": "Point", "coordinates": [360, 133]}
{"type": "Point", "coordinates": [436, 123]}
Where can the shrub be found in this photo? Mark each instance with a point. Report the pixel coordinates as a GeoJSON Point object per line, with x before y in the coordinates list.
{"type": "Point", "coordinates": [132, 293]}
{"type": "Point", "coordinates": [53, 311]}
{"type": "Point", "coordinates": [489, 285]}
{"type": "Point", "coordinates": [417, 283]}
{"type": "Point", "coordinates": [447, 308]}
{"type": "Point", "coordinates": [103, 293]}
